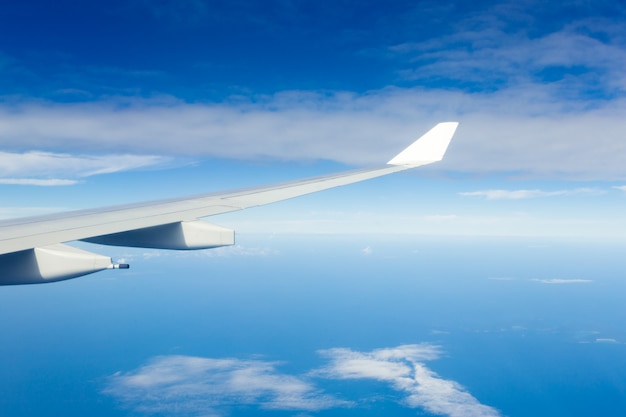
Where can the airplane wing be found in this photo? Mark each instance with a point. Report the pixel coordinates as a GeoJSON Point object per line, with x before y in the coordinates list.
{"type": "Point", "coordinates": [32, 249]}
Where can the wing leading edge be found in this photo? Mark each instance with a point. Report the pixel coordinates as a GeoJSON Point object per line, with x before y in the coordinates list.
{"type": "Point", "coordinates": [31, 249]}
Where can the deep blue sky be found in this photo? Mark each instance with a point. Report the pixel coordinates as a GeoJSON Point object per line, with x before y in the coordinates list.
{"type": "Point", "coordinates": [206, 50]}
{"type": "Point", "coordinates": [199, 50]}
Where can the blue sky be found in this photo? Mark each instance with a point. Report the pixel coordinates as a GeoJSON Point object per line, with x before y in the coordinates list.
{"type": "Point", "coordinates": [173, 89]}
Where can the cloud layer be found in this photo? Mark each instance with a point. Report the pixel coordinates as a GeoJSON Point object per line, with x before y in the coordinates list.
{"type": "Point", "coordinates": [508, 132]}
{"type": "Point", "coordinates": [198, 386]}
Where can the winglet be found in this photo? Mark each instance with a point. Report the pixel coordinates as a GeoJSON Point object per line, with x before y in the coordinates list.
{"type": "Point", "coordinates": [429, 148]}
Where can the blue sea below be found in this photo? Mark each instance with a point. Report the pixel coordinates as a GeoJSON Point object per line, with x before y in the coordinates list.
{"type": "Point", "coordinates": [321, 325]}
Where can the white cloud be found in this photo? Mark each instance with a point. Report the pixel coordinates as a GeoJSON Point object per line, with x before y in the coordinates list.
{"type": "Point", "coordinates": [562, 281]}
{"type": "Point", "coordinates": [508, 131]}
{"type": "Point", "coordinates": [620, 187]}
{"type": "Point", "coordinates": [195, 386]}
{"type": "Point", "coordinates": [403, 368]}
{"type": "Point", "coordinates": [45, 168]}
{"type": "Point", "coordinates": [367, 251]}
{"type": "Point", "coordinates": [526, 194]}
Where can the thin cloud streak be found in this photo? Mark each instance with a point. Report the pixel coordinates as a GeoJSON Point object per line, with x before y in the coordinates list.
{"type": "Point", "coordinates": [526, 194]}
{"type": "Point", "coordinates": [53, 182]}
{"type": "Point", "coordinates": [562, 281]}
{"type": "Point", "coordinates": [47, 168]}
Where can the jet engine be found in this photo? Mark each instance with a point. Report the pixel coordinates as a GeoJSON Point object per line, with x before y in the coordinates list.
{"type": "Point", "coordinates": [51, 263]}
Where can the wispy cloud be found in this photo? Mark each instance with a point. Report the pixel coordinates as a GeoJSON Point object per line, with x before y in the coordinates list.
{"type": "Point", "coordinates": [562, 281]}
{"type": "Point", "coordinates": [620, 187]}
{"type": "Point", "coordinates": [527, 194]}
{"type": "Point", "coordinates": [403, 368]}
{"type": "Point", "coordinates": [48, 168]}
{"type": "Point", "coordinates": [52, 182]}
{"type": "Point", "coordinates": [606, 340]}
{"type": "Point", "coordinates": [367, 251]}
{"type": "Point", "coordinates": [506, 44]}
{"type": "Point", "coordinates": [441, 217]}
{"type": "Point", "coordinates": [195, 386]}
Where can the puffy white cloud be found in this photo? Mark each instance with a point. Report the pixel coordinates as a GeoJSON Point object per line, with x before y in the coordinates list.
{"type": "Point", "coordinates": [403, 368]}
{"type": "Point", "coordinates": [195, 386]}
{"type": "Point", "coordinates": [186, 385]}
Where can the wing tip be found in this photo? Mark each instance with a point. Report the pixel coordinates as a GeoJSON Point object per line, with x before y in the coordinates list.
{"type": "Point", "coordinates": [430, 147]}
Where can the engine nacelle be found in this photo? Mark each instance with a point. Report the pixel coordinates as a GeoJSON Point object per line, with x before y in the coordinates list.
{"type": "Point", "coordinates": [182, 236]}
{"type": "Point", "coordinates": [50, 263]}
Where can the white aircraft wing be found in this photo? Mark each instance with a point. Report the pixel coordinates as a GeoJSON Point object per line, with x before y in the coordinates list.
{"type": "Point", "coordinates": [32, 249]}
